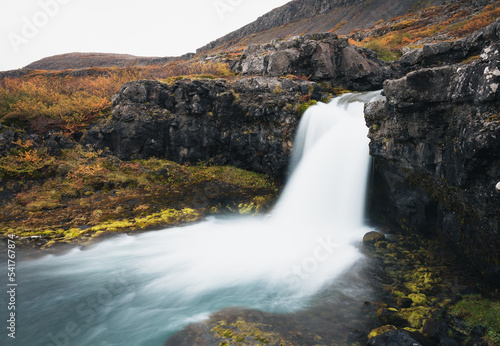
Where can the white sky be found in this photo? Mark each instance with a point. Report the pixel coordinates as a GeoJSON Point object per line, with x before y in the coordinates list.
{"type": "Point", "coordinates": [34, 29]}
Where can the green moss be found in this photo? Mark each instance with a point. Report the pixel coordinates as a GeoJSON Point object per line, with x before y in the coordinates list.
{"type": "Point", "coordinates": [477, 310]}
{"type": "Point", "coordinates": [423, 274]}
{"type": "Point", "coordinates": [73, 232]}
{"type": "Point", "coordinates": [418, 299]}
{"type": "Point", "coordinates": [241, 331]}
{"type": "Point", "coordinates": [416, 316]}
{"type": "Point", "coordinates": [301, 108]}
{"type": "Point", "coordinates": [277, 89]}
{"type": "Point", "coordinates": [383, 52]}
{"type": "Point", "coordinates": [340, 91]}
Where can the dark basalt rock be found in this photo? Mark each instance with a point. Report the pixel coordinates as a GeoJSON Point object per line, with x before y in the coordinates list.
{"type": "Point", "coordinates": [393, 337]}
{"type": "Point", "coordinates": [322, 57]}
{"type": "Point", "coordinates": [249, 123]}
{"type": "Point", "coordinates": [436, 146]}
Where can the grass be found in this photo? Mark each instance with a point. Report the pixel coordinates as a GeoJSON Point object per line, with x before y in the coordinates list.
{"type": "Point", "coordinates": [476, 310]}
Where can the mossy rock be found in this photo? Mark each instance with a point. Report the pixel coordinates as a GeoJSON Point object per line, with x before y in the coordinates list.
{"type": "Point", "coordinates": [381, 245]}
{"type": "Point", "coordinates": [381, 330]}
{"type": "Point", "coordinates": [418, 299]}
{"type": "Point", "coordinates": [391, 316]}
{"type": "Point", "coordinates": [416, 316]}
{"type": "Point", "coordinates": [371, 238]}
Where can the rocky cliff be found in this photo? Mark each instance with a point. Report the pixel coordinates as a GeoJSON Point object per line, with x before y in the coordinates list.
{"type": "Point", "coordinates": [435, 141]}
{"type": "Point", "coordinates": [249, 123]}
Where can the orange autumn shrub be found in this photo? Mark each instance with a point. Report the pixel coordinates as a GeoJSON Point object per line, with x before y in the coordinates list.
{"type": "Point", "coordinates": [409, 29]}
{"type": "Point", "coordinates": [43, 100]}
{"type": "Point", "coordinates": [25, 160]}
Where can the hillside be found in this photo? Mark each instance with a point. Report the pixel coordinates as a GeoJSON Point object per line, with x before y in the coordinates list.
{"type": "Point", "coordinates": [300, 17]}
{"type": "Point", "coordinates": [386, 27]}
{"type": "Point", "coordinates": [87, 60]}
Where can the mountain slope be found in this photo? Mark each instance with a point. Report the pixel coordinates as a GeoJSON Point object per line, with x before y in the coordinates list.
{"type": "Point", "coordinates": [312, 16]}
{"type": "Point", "coordinates": [86, 60]}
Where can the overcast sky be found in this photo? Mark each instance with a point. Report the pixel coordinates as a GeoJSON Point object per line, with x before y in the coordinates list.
{"type": "Point", "coordinates": [34, 29]}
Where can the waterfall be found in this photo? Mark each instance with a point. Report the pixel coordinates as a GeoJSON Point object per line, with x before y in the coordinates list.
{"type": "Point", "coordinates": [140, 290]}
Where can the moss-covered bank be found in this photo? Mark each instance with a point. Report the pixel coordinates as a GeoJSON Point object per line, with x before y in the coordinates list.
{"type": "Point", "coordinates": [81, 194]}
{"type": "Point", "coordinates": [432, 295]}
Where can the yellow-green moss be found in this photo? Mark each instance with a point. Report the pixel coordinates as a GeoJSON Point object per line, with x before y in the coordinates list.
{"type": "Point", "coordinates": [301, 108]}
{"type": "Point", "coordinates": [381, 330]}
{"type": "Point", "coordinates": [105, 194]}
{"type": "Point", "coordinates": [241, 332]}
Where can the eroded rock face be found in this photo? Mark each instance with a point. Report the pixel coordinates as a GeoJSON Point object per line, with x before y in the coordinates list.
{"type": "Point", "coordinates": [321, 57]}
{"type": "Point", "coordinates": [249, 123]}
{"type": "Point", "coordinates": [436, 144]}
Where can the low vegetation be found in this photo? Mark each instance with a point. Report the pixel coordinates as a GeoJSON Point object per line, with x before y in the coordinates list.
{"type": "Point", "coordinates": [42, 101]}
{"type": "Point", "coordinates": [82, 193]}
{"type": "Point", "coordinates": [387, 38]}
{"type": "Point", "coordinates": [480, 312]}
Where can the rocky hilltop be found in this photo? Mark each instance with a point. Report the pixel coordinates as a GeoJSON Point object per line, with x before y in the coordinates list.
{"type": "Point", "coordinates": [87, 60]}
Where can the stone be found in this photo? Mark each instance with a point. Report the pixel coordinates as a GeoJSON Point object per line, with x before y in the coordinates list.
{"type": "Point", "coordinates": [322, 57]}
{"type": "Point", "coordinates": [393, 337]}
{"type": "Point", "coordinates": [404, 302]}
{"type": "Point", "coordinates": [373, 237]}
{"type": "Point", "coordinates": [381, 330]}
{"type": "Point", "coordinates": [391, 317]}
{"type": "Point", "coordinates": [447, 53]}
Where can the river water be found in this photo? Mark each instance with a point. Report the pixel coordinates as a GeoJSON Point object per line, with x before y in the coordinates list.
{"type": "Point", "coordinates": [142, 289]}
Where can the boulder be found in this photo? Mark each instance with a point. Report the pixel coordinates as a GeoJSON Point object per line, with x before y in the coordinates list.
{"type": "Point", "coordinates": [393, 337]}
{"type": "Point", "coordinates": [320, 57]}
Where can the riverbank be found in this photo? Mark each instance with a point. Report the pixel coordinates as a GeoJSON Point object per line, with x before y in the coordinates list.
{"type": "Point", "coordinates": [82, 195]}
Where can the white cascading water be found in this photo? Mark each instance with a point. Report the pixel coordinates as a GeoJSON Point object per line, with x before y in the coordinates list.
{"type": "Point", "coordinates": [140, 290]}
